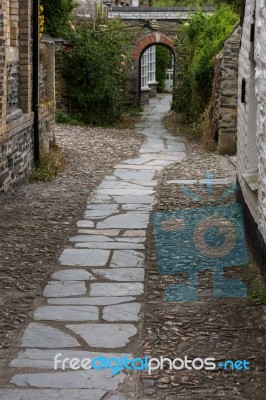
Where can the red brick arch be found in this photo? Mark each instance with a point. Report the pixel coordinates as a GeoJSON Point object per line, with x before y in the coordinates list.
{"type": "Point", "coordinates": [149, 40]}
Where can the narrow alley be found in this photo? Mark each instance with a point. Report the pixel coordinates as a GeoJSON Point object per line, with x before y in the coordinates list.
{"type": "Point", "coordinates": [119, 289]}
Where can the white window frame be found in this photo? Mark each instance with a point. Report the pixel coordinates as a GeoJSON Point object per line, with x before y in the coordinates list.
{"type": "Point", "coordinates": [152, 64]}
{"type": "Point", "coordinates": [144, 70]}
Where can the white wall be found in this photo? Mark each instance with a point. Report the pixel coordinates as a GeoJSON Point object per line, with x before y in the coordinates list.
{"type": "Point", "coordinates": [247, 151]}
{"type": "Point", "coordinates": [260, 87]}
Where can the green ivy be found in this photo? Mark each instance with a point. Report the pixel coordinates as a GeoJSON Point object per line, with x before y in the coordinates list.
{"type": "Point", "coordinates": [97, 67]}
{"type": "Point", "coordinates": [197, 44]}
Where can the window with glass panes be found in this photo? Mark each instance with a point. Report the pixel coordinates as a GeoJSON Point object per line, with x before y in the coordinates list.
{"type": "Point", "coordinates": [151, 64]}
{"type": "Point", "coordinates": [144, 70]}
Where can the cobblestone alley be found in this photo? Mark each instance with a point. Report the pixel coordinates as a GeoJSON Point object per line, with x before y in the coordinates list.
{"type": "Point", "coordinates": [115, 278]}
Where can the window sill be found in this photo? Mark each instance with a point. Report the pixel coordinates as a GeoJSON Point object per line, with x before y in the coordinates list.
{"type": "Point", "coordinates": [252, 181]}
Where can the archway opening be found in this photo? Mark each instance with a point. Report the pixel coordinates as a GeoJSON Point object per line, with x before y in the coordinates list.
{"type": "Point", "coordinates": [144, 57]}
{"type": "Point", "coordinates": [156, 71]}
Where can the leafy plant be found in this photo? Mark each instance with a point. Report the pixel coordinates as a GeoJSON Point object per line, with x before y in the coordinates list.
{"type": "Point", "coordinates": [197, 44]}
{"type": "Point", "coordinates": [63, 118]}
{"type": "Point", "coordinates": [97, 68]}
{"type": "Point", "coordinates": [163, 61]}
{"type": "Point", "coordinates": [57, 15]}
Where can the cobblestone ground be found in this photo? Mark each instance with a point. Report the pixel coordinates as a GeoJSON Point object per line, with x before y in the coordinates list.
{"type": "Point", "coordinates": [100, 300]}
{"type": "Point", "coordinates": [40, 217]}
{"type": "Point", "coordinates": [231, 328]}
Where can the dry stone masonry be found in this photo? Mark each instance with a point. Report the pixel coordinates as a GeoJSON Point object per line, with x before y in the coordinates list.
{"type": "Point", "coordinates": [221, 115]}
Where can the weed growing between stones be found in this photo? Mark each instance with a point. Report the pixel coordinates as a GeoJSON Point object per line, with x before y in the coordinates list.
{"type": "Point", "coordinates": [259, 293]}
{"type": "Point", "coordinates": [52, 162]}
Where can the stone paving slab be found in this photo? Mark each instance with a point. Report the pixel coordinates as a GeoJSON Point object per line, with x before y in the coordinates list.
{"type": "Point", "coordinates": [65, 288]}
{"type": "Point", "coordinates": [135, 232]}
{"type": "Point", "coordinates": [44, 359]}
{"type": "Point", "coordinates": [99, 214]}
{"type": "Point", "coordinates": [84, 257]}
{"type": "Point", "coordinates": [126, 259]}
{"type": "Point", "coordinates": [105, 232]}
{"type": "Point", "coordinates": [136, 167]}
{"type": "Point", "coordinates": [124, 192]}
{"type": "Point", "coordinates": [94, 301]}
{"type": "Point", "coordinates": [66, 313]}
{"type": "Point", "coordinates": [90, 379]}
{"type": "Point", "coordinates": [116, 289]}
{"type": "Point", "coordinates": [122, 312]}
{"type": "Point", "coordinates": [137, 207]}
{"type": "Point", "coordinates": [44, 336]}
{"type": "Point", "coordinates": [108, 336]}
{"type": "Point", "coordinates": [125, 221]}
{"type": "Point", "coordinates": [102, 207]}
{"type": "Point", "coordinates": [91, 238]}
{"type": "Point", "coordinates": [129, 174]}
{"type": "Point", "coordinates": [73, 275]}
{"type": "Point", "coordinates": [85, 224]}
{"type": "Point", "coordinates": [110, 245]}
{"type": "Point", "coordinates": [136, 199]}
{"type": "Point", "coordinates": [49, 394]}
{"type": "Point", "coordinates": [121, 274]}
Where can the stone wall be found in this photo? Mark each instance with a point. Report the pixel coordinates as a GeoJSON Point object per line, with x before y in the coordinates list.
{"type": "Point", "coordinates": [16, 116]}
{"type": "Point", "coordinates": [221, 115]}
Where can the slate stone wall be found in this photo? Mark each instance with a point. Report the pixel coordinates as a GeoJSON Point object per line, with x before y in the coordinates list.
{"type": "Point", "coordinates": [221, 115]}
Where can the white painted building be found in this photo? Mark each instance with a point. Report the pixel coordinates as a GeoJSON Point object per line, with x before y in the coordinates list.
{"type": "Point", "coordinates": [252, 123]}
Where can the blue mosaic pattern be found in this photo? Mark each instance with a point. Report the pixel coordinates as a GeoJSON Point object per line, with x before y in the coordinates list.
{"type": "Point", "coordinates": [197, 239]}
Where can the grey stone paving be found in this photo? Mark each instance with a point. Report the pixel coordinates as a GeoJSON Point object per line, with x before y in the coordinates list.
{"type": "Point", "coordinates": [93, 258]}
{"type": "Point", "coordinates": [118, 274]}
{"type": "Point", "coordinates": [48, 394]}
{"type": "Point", "coordinates": [66, 313]}
{"type": "Point", "coordinates": [43, 336]}
{"type": "Point", "coordinates": [116, 289]}
{"type": "Point", "coordinates": [44, 359]}
{"type": "Point", "coordinates": [108, 336]}
{"type": "Point", "coordinates": [70, 379]}
{"type": "Point", "coordinates": [73, 275]}
{"type": "Point", "coordinates": [94, 301]}
{"type": "Point", "coordinates": [122, 312]}
{"type": "Point", "coordinates": [66, 288]}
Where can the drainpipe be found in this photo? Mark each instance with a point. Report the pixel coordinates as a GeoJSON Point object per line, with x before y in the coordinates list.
{"type": "Point", "coordinates": [35, 80]}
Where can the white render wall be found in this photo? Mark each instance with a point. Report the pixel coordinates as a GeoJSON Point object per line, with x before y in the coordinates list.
{"type": "Point", "coordinates": [251, 114]}
{"type": "Point", "coordinates": [246, 133]}
{"type": "Point", "coordinates": [260, 87]}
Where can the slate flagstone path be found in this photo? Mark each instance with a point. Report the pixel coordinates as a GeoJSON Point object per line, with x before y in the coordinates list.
{"type": "Point", "coordinates": [92, 305]}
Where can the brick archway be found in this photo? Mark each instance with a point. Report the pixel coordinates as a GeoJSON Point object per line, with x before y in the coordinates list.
{"type": "Point", "coordinates": [149, 40]}
{"type": "Point", "coordinates": [154, 38]}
